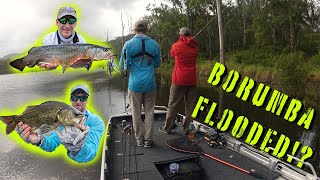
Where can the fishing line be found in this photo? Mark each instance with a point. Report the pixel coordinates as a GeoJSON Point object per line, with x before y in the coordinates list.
{"type": "Point", "coordinates": [124, 80]}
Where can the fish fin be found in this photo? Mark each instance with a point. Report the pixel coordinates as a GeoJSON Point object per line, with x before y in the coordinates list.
{"type": "Point", "coordinates": [40, 63]}
{"type": "Point", "coordinates": [64, 68]}
{"type": "Point", "coordinates": [10, 127]}
{"type": "Point", "coordinates": [33, 49]}
{"type": "Point", "coordinates": [46, 128]}
{"type": "Point", "coordinates": [48, 66]}
{"type": "Point", "coordinates": [28, 109]}
{"type": "Point", "coordinates": [18, 64]}
{"type": "Point", "coordinates": [7, 119]}
{"type": "Point", "coordinates": [10, 121]}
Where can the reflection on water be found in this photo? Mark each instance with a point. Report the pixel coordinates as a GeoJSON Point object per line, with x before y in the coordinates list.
{"type": "Point", "coordinates": [108, 99]}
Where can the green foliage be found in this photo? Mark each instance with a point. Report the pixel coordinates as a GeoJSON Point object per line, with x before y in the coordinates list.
{"type": "Point", "coordinates": [310, 44]}
{"type": "Point", "coordinates": [292, 73]}
{"type": "Point", "coordinates": [315, 61]}
{"type": "Point", "coordinates": [261, 57]}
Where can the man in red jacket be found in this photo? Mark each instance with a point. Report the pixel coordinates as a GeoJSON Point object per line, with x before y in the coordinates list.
{"type": "Point", "coordinates": [184, 79]}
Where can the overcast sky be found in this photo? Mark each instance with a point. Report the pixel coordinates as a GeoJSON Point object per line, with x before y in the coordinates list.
{"type": "Point", "coordinates": [24, 21]}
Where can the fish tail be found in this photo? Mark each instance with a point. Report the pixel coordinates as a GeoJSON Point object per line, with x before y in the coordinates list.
{"type": "Point", "coordinates": [18, 64]}
{"type": "Point", "coordinates": [10, 121]}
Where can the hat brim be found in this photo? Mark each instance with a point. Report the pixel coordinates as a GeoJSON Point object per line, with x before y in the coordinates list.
{"type": "Point", "coordinates": [81, 90]}
{"type": "Point", "coordinates": [67, 14]}
{"type": "Point", "coordinates": [139, 28]}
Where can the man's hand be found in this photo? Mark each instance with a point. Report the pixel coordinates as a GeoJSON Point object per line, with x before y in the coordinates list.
{"type": "Point", "coordinates": [73, 138]}
{"type": "Point", "coordinates": [26, 134]}
{"type": "Point", "coordinates": [48, 66]}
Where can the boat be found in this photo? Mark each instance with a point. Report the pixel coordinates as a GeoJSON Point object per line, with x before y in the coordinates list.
{"type": "Point", "coordinates": [220, 156]}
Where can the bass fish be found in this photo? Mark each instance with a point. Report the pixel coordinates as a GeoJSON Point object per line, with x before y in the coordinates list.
{"type": "Point", "coordinates": [46, 117]}
{"type": "Point", "coordinates": [69, 55]}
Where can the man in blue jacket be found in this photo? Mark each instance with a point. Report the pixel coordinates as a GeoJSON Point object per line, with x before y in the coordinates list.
{"type": "Point", "coordinates": [82, 145]}
{"type": "Point", "coordinates": [141, 55]}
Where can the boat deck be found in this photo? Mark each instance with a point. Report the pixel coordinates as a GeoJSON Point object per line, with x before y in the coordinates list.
{"type": "Point", "coordinates": [125, 160]}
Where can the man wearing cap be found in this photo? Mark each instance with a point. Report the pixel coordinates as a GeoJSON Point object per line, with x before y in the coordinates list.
{"type": "Point", "coordinates": [184, 79]}
{"type": "Point", "coordinates": [82, 145]}
{"type": "Point", "coordinates": [141, 55]}
{"type": "Point", "coordinates": [66, 22]}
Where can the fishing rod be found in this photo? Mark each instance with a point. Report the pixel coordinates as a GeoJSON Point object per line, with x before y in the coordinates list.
{"type": "Point", "coordinates": [207, 25]}
{"type": "Point", "coordinates": [129, 127]}
{"type": "Point", "coordinates": [127, 131]}
{"type": "Point", "coordinates": [123, 138]}
{"type": "Point", "coordinates": [135, 156]}
{"type": "Point", "coordinates": [125, 66]}
{"type": "Point", "coordinates": [186, 145]}
{"type": "Point", "coordinates": [203, 28]}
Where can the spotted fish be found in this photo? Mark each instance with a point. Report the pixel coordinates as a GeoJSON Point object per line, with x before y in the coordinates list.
{"type": "Point", "coordinates": [45, 117]}
{"type": "Point", "coordinates": [68, 55]}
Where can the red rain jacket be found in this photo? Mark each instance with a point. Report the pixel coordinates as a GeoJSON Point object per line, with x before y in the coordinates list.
{"type": "Point", "coordinates": [185, 53]}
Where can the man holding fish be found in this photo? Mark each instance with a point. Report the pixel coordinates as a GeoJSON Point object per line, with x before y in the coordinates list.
{"type": "Point", "coordinates": [82, 142]}
{"type": "Point", "coordinates": [66, 22]}
{"type": "Point", "coordinates": [64, 47]}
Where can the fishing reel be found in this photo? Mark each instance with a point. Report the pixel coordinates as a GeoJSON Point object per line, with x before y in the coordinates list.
{"type": "Point", "coordinates": [123, 123]}
{"type": "Point", "coordinates": [127, 129]}
{"type": "Point", "coordinates": [180, 119]}
{"type": "Point", "coordinates": [212, 136]}
{"type": "Point", "coordinates": [216, 140]}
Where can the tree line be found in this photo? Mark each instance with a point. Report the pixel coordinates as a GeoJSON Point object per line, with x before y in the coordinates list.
{"type": "Point", "coordinates": [284, 25]}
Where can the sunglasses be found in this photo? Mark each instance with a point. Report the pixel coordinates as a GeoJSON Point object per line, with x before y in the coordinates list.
{"type": "Point", "coordinates": [64, 20]}
{"type": "Point", "coordinates": [82, 98]}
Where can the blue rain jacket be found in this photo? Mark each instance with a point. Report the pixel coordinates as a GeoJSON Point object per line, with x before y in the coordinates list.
{"type": "Point", "coordinates": [142, 69]}
{"type": "Point", "coordinates": [89, 150]}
